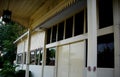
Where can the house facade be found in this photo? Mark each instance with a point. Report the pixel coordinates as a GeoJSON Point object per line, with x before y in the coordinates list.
{"type": "Point", "coordinates": [82, 40]}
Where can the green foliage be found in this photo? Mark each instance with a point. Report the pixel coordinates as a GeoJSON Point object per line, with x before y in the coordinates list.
{"type": "Point", "coordinates": [8, 34]}
{"type": "Point", "coordinates": [8, 70]}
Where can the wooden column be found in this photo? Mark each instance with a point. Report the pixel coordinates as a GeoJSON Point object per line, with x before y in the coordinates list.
{"type": "Point", "coordinates": [28, 53]}
{"type": "Point", "coordinates": [92, 39]}
{"type": "Point", "coordinates": [116, 14]}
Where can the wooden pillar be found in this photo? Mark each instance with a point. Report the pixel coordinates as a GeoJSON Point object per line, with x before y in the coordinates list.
{"type": "Point", "coordinates": [28, 53]}
{"type": "Point", "coordinates": [116, 16]}
{"type": "Point", "coordinates": [92, 39]}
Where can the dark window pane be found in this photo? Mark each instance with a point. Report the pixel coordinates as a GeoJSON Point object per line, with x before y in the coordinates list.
{"type": "Point", "coordinates": [79, 23]}
{"type": "Point", "coordinates": [24, 57]}
{"type": "Point", "coordinates": [37, 57]}
{"type": "Point", "coordinates": [54, 31]}
{"type": "Point", "coordinates": [60, 31]}
{"type": "Point", "coordinates": [105, 51]}
{"type": "Point", "coordinates": [69, 27]}
{"type": "Point", "coordinates": [86, 22]}
{"type": "Point", "coordinates": [48, 35]}
{"type": "Point", "coordinates": [50, 56]}
{"type": "Point", "coordinates": [105, 13]}
{"type": "Point", "coordinates": [86, 52]}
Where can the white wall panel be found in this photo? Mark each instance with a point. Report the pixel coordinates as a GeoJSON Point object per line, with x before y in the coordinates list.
{"type": "Point", "coordinates": [37, 40]}
{"type": "Point", "coordinates": [49, 71]}
{"type": "Point", "coordinates": [26, 44]}
{"type": "Point", "coordinates": [105, 72]}
{"type": "Point", "coordinates": [71, 60]}
{"type": "Point", "coordinates": [20, 47]}
{"type": "Point", "coordinates": [77, 60]}
{"type": "Point", "coordinates": [63, 61]}
{"type": "Point", "coordinates": [36, 70]}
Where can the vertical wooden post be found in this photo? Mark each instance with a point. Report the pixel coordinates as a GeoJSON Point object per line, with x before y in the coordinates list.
{"type": "Point", "coordinates": [44, 53]}
{"type": "Point", "coordinates": [28, 53]}
{"type": "Point", "coordinates": [92, 39]}
{"type": "Point", "coordinates": [116, 16]}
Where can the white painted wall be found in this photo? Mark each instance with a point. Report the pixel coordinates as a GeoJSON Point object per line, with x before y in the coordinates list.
{"type": "Point", "coordinates": [49, 71]}
{"type": "Point", "coordinates": [71, 60]}
{"type": "Point", "coordinates": [105, 72]}
{"type": "Point", "coordinates": [20, 47]}
{"type": "Point", "coordinates": [37, 40]}
{"type": "Point", "coordinates": [36, 70]}
{"type": "Point", "coordinates": [26, 44]}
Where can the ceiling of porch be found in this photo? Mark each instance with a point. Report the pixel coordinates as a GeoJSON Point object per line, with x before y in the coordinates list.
{"type": "Point", "coordinates": [26, 12]}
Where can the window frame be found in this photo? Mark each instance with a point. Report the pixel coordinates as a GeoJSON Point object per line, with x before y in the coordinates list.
{"type": "Point", "coordinates": [46, 56]}
{"type": "Point", "coordinates": [40, 56]}
{"type": "Point", "coordinates": [32, 57]}
{"type": "Point", "coordinates": [103, 65]}
{"type": "Point", "coordinates": [19, 58]}
{"type": "Point", "coordinates": [64, 26]}
{"type": "Point", "coordinates": [98, 16]}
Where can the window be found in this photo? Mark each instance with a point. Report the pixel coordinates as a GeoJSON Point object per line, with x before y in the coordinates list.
{"type": "Point", "coordinates": [32, 57]}
{"type": "Point", "coordinates": [73, 26]}
{"type": "Point", "coordinates": [105, 51]}
{"type": "Point", "coordinates": [60, 31]}
{"type": "Point", "coordinates": [86, 24]}
{"type": "Point", "coordinates": [105, 13]}
{"type": "Point", "coordinates": [86, 54]}
{"type": "Point", "coordinates": [19, 58]}
{"type": "Point", "coordinates": [50, 56]}
{"type": "Point", "coordinates": [69, 27]}
{"type": "Point", "coordinates": [48, 35]}
{"type": "Point", "coordinates": [39, 53]}
{"type": "Point", "coordinates": [36, 56]}
{"type": "Point", "coordinates": [79, 23]}
{"type": "Point", "coordinates": [54, 31]}
{"type": "Point", "coordinates": [24, 57]}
